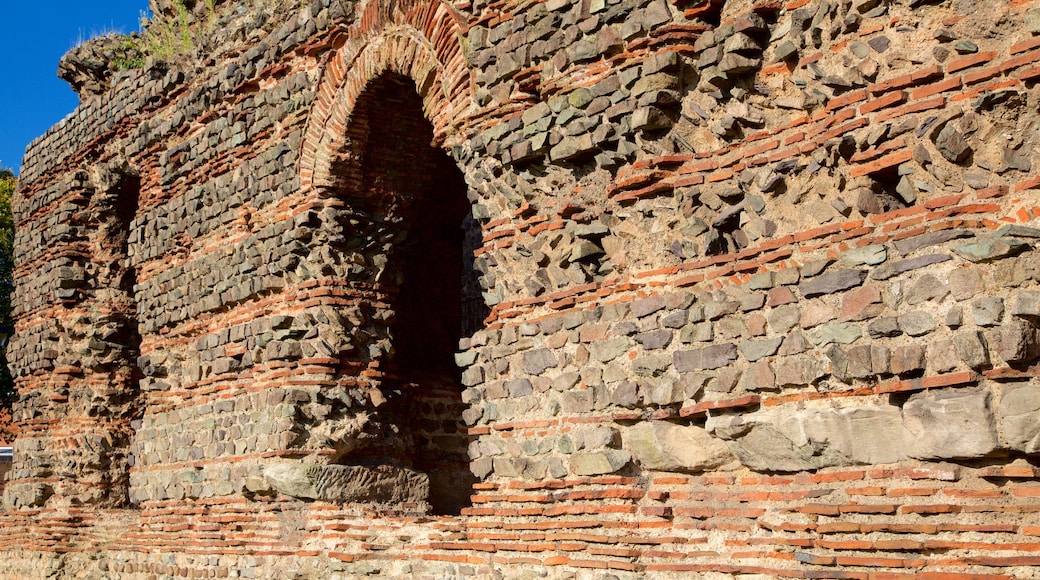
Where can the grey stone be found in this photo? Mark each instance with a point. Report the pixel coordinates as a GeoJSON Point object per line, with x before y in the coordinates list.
{"type": "Point", "coordinates": [1016, 342]}
{"type": "Point", "coordinates": [599, 463]}
{"type": "Point", "coordinates": [565, 381]}
{"type": "Point", "coordinates": [912, 244]}
{"type": "Point", "coordinates": [702, 332]}
{"type": "Point", "coordinates": [665, 391]}
{"type": "Point", "coordinates": [965, 283]}
{"type": "Point", "coordinates": [784, 318]}
{"type": "Point", "coordinates": [785, 50]}
{"type": "Point", "coordinates": [917, 323]}
{"type": "Point", "coordinates": [626, 394]}
{"type": "Point", "coordinates": [926, 288]}
{"type": "Point", "coordinates": [654, 340]}
{"type": "Point", "coordinates": [646, 306]}
{"type": "Point", "coordinates": [989, 250]}
{"type": "Point", "coordinates": [812, 439]}
{"type": "Point", "coordinates": [952, 145]}
{"type": "Point", "coordinates": [794, 343]}
{"type": "Point", "coordinates": [577, 401]}
{"type": "Point", "coordinates": [348, 483]}
{"type": "Point", "coordinates": [954, 424]}
{"type": "Point", "coordinates": [988, 311]}
{"type": "Point", "coordinates": [759, 376]}
{"type": "Point", "coordinates": [1027, 306]}
{"type": "Point", "coordinates": [708, 358]}
{"type": "Point", "coordinates": [832, 282]}
{"type": "Point", "coordinates": [798, 371]}
{"type": "Point", "coordinates": [674, 320]}
{"type": "Point", "coordinates": [519, 387]}
{"type": "Point", "coordinates": [584, 249]}
{"type": "Point", "coordinates": [465, 359]}
{"type": "Point", "coordinates": [814, 267]}
{"type": "Point", "coordinates": [893, 269]}
{"type": "Point", "coordinates": [761, 446]}
{"type": "Point", "coordinates": [754, 350]}
{"type": "Point", "coordinates": [608, 350]}
{"type": "Point", "coordinates": [651, 365]}
{"type": "Point", "coordinates": [1020, 417]}
{"type": "Point", "coordinates": [942, 356]}
{"type": "Point", "coordinates": [866, 255]}
{"type": "Point", "coordinates": [599, 438]}
{"type": "Point", "coordinates": [879, 43]}
{"type": "Point", "coordinates": [1031, 20]}
{"type": "Point", "coordinates": [536, 361]}
{"type": "Point", "coordinates": [855, 435]}
{"type": "Point", "coordinates": [966, 47]}
{"type": "Point", "coordinates": [664, 446]}
{"type": "Point", "coordinates": [907, 359]}
{"type": "Point", "coordinates": [971, 348]}
{"type": "Point", "coordinates": [1017, 231]}
{"type": "Point", "coordinates": [836, 333]}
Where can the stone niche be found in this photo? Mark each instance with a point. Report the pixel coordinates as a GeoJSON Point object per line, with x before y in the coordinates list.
{"type": "Point", "coordinates": [628, 288]}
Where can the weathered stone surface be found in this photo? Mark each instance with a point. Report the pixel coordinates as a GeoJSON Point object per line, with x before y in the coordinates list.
{"type": "Point", "coordinates": [1020, 417]}
{"type": "Point", "coordinates": [664, 446]}
{"type": "Point", "coordinates": [1016, 342]}
{"type": "Point", "coordinates": [836, 333]}
{"type": "Point", "coordinates": [537, 361]}
{"type": "Point", "coordinates": [1027, 305]}
{"type": "Point", "coordinates": [987, 311]}
{"type": "Point", "coordinates": [926, 288]}
{"type": "Point", "coordinates": [599, 462]}
{"type": "Point", "coordinates": [914, 243]}
{"type": "Point", "coordinates": [917, 323]}
{"type": "Point", "coordinates": [893, 269]}
{"type": "Point", "coordinates": [608, 350]}
{"type": "Point", "coordinates": [952, 145]}
{"type": "Point", "coordinates": [989, 250]}
{"type": "Point", "coordinates": [865, 256]}
{"type": "Point", "coordinates": [811, 439]}
{"type": "Point", "coordinates": [275, 215]}
{"type": "Point", "coordinates": [348, 483]}
{"type": "Point", "coordinates": [951, 425]}
{"type": "Point", "coordinates": [708, 358]}
{"type": "Point", "coordinates": [832, 282]}
{"type": "Point", "coordinates": [971, 348]}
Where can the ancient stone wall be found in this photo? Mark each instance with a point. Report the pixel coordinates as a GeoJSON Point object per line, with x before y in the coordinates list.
{"type": "Point", "coordinates": [611, 288]}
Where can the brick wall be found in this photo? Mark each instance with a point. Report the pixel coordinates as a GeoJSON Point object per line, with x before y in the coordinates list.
{"type": "Point", "coordinates": [737, 289]}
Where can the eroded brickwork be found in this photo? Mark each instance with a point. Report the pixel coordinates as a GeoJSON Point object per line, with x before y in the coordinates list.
{"type": "Point", "coordinates": [597, 289]}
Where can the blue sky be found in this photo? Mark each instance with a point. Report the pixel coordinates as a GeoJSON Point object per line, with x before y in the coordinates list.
{"type": "Point", "coordinates": [34, 37]}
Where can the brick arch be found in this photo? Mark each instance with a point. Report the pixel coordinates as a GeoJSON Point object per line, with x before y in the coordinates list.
{"type": "Point", "coordinates": [415, 39]}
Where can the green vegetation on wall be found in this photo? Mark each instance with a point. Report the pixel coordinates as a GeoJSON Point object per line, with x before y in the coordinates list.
{"type": "Point", "coordinates": [7, 187]}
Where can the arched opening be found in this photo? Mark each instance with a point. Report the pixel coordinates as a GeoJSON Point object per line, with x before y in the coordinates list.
{"type": "Point", "coordinates": [414, 198]}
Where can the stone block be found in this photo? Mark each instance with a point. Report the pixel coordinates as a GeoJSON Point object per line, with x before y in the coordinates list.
{"type": "Point", "coordinates": [708, 358]}
{"type": "Point", "coordinates": [664, 446]}
{"type": "Point", "coordinates": [1019, 413]}
{"type": "Point", "coordinates": [955, 424]}
{"type": "Point", "coordinates": [347, 483]}
{"type": "Point", "coordinates": [600, 462]}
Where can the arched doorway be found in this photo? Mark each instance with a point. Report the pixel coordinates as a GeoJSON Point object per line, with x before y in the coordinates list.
{"type": "Point", "coordinates": [413, 197]}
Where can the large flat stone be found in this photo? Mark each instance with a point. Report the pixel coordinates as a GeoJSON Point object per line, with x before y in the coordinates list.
{"type": "Point", "coordinates": [348, 483]}
{"type": "Point", "coordinates": [957, 424]}
{"type": "Point", "coordinates": [664, 446]}
{"type": "Point", "coordinates": [600, 462]}
{"type": "Point", "coordinates": [708, 358]}
{"type": "Point", "coordinates": [832, 282]}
